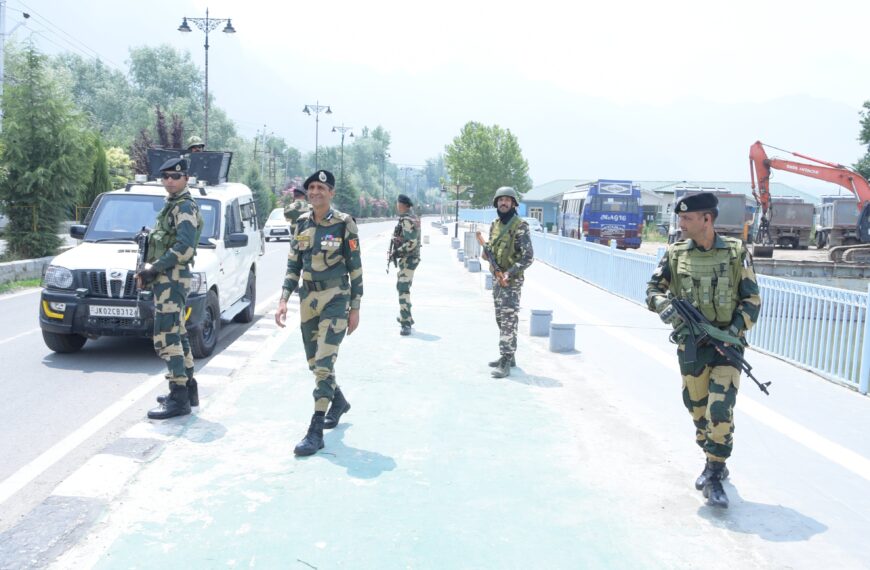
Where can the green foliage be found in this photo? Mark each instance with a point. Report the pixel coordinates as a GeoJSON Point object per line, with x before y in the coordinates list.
{"type": "Point", "coordinates": [10, 286]}
{"type": "Point", "coordinates": [261, 195]}
{"type": "Point", "coordinates": [487, 158]}
{"type": "Point", "coordinates": [863, 165]}
{"type": "Point", "coordinates": [120, 167]}
{"type": "Point", "coordinates": [45, 153]}
{"type": "Point", "coordinates": [99, 181]}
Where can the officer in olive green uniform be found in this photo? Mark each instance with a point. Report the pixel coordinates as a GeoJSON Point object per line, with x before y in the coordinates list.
{"type": "Point", "coordinates": [715, 274]}
{"type": "Point", "coordinates": [296, 208]}
{"type": "Point", "coordinates": [510, 246]}
{"type": "Point", "coordinates": [406, 252]}
{"type": "Point", "coordinates": [324, 262]}
{"type": "Point", "coordinates": [171, 249]}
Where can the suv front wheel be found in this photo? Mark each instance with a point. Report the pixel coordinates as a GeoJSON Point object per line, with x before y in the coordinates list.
{"type": "Point", "coordinates": [203, 339]}
{"type": "Point", "coordinates": [63, 343]}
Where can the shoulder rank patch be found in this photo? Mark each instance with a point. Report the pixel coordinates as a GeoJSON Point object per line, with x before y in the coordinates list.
{"type": "Point", "coordinates": [354, 244]}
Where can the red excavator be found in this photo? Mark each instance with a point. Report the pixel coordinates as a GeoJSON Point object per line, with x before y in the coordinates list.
{"type": "Point", "coordinates": [759, 169]}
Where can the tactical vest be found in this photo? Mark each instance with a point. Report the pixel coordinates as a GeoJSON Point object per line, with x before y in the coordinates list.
{"type": "Point", "coordinates": [708, 279]}
{"type": "Point", "coordinates": [503, 243]}
{"type": "Point", "coordinates": [164, 235]}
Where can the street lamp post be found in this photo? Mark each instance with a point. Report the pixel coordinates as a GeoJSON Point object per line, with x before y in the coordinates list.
{"type": "Point", "coordinates": [342, 129]}
{"type": "Point", "coordinates": [458, 187]}
{"type": "Point", "coordinates": [206, 25]}
{"type": "Point", "coordinates": [316, 109]}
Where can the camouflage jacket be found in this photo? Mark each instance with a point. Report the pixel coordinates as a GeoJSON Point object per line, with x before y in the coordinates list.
{"type": "Point", "coordinates": [294, 210]}
{"type": "Point", "coordinates": [517, 251]}
{"type": "Point", "coordinates": [747, 303]}
{"type": "Point", "coordinates": [323, 252]}
{"type": "Point", "coordinates": [173, 241]}
{"type": "Point", "coordinates": [408, 236]}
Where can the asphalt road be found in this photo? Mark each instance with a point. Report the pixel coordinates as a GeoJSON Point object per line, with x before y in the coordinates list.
{"type": "Point", "coordinates": [48, 398]}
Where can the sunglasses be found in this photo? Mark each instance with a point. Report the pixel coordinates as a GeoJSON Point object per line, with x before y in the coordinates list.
{"type": "Point", "coordinates": [173, 175]}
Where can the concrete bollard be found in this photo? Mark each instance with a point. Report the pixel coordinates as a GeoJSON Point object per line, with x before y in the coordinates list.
{"type": "Point", "coordinates": [473, 265]}
{"type": "Point", "coordinates": [425, 239]}
{"type": "Point", "coordinates": [460, 255]}
{"type": "Point", "coordinates": [488, 283]}
{"type": "Point", "coordinates": [561, 337]}
{"type": "Point", "coordinates": [539, 324]}
{"type": "Point", "coordinates": [444, 230]}
{"type": "Point", "coordinates": [454, 243]}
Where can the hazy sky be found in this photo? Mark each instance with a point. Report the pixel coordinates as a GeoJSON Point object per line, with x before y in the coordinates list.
{"type": "Point", "coordinates": [672, 90]}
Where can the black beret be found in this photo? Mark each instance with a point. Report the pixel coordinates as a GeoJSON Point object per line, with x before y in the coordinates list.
{"type": "Point", "coordinates": [324, 176]}
{"type": "Point", "coordinates": [175, 165]}
{"type": "Point", "coordinates": [402, 199]}
{"type": "Point", "coordinates": [301, 191]}
{"type": "Point", "coordinates": [696, 203]}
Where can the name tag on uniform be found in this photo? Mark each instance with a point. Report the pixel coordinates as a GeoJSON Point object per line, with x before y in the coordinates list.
{"type": "Point", "coordinates": [303, 240]}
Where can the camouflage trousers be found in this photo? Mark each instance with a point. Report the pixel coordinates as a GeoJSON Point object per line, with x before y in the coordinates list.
{"type": "Point", "coordinates": [403, 286]}
{"type": "Point", "coordinates": [710, 386]}
{"type": "Point", "coordinates": [323, 322]}
{"type": "Point", "coordinates": [170, 334]}
{"type": "Point", "coordinates": [507, 314]}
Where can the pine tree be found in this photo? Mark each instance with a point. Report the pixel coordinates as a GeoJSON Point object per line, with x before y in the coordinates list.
{"type": "Point", "coordinates": [99, 182]}
{"type": "Point", "coordinates": [44, 152]}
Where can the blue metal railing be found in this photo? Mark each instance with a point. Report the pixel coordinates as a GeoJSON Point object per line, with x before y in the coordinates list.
{"type": "Point", "coordinates": [822, 329]}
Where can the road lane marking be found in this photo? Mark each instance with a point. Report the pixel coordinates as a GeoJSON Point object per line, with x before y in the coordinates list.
{"type": "Point", "coordinates": [32, 470]}
{"type": "Point", "coordinates": [29, 291]}
{"type": "Point", "coordinates": [11, 338]}
{"type": "Point", "coordinates": [834, 452]}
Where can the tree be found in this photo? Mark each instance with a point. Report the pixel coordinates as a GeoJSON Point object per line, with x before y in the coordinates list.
{"type": "Point", "coordinates": [120, 167]}
{"type": "Point", "coordinates": [44, 153]}
{"type": "Point", "coordinates": [863, 165]}
{"type": "Point", "coordinates": [99, 181]}
{"type": "Point", "coordinates": [487, 158]}
{"type": "Point", "coordinates": [262, 197]}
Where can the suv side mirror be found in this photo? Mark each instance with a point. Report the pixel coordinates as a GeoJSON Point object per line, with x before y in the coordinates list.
{"type": "Point", "coordinates": [77, 231]}
{"type": "Point", "coordinates": [236, 240]}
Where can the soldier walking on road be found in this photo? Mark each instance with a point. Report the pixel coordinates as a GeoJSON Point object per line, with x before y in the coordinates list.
{"type": "Point", "coordinates": [324, 262]}
{"type": "Point", "coordinates": [296, 208]}
{"type": "Point", "coordinates": [406, 252]}
{"type": "Point", "coordinates": [509, 250]}
{"type": "Point", "coordinates": [715, 274]}
{"type": "Point", "coordinates": [171, 249]}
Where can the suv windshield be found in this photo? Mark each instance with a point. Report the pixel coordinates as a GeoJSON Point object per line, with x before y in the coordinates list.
{"type": "Point", "coordinates": [121, 216]}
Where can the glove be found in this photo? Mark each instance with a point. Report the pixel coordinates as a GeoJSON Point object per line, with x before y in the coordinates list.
{"type": "Point", "coordinates": [147, 275]}
{"type": "Point", "coordinates": [670, 316]}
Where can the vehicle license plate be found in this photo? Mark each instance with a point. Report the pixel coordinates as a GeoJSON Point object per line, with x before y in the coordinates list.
{"type": "Point", "coordinates": [110, 311]}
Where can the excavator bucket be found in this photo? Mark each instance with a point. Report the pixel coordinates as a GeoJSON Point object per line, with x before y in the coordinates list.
{"type": "Point", "coordinates": [762, 251]}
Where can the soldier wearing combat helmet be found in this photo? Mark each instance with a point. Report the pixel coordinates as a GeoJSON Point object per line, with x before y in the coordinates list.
{"type": "Point", "coordinates": [714, 273]}
{"type": "Point", "coordinates": [171, 249]}
{"type": "Point", "coordinates": [324, 263]}
{"type": "Point", "coordinates": [509, 251]}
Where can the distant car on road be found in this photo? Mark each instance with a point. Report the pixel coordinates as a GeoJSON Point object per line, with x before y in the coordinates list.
{"type": "Point", "coordinates": [534, 224]}
{"type": "Point", "coordinates": [277, 227]}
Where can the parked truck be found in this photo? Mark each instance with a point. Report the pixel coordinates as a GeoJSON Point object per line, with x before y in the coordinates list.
{"type": "Point", "coordinates": [790, 222]}
{"type": "Point", "coordinates": [735, 214]}
{"type": "Point", "coordinates": [837, 222]}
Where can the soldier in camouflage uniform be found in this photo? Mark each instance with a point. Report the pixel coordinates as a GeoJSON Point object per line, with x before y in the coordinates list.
{"type": "Point", "coordinates": [296, 208]}
{"type": "Point", "coordinates": [510, 247]}
{"type": "Point", "coordinates": [171, 249]}
{"type": "Point", "coordinates": [406, 251]}
{"type": "Point", "coordinates": [715, 274]}
{"type": "Point", "coordinates": [324, 263]}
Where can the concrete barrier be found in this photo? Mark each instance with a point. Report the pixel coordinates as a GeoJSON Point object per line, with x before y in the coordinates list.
{"type": "Point", "coordinates": [561, 337]}
{"type": "Point", "coordinates": [473, 265]}
{"type": "Point", "coordinates": [539, 324]}
{"type": "Point", "coordinates": [24, 269]}
{"type": "Point", "coordinates": [488, 282]}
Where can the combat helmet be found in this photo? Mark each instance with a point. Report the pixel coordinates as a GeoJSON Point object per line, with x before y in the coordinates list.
{"type": "Point", "coordinates": [506, 191]}
{"type": "Point", "coordinates": [194, 141]}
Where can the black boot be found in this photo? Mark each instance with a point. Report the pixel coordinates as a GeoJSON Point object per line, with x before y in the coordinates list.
{"type": "Point", "coordinates": [313, 440]}
{"type": "Point", "coordinates": [496, 363]}
{"type": "Point", "coordinates": [192, 393]}
{"type": "Point", "coordinates": [713, 491]}
{"type": "Point", "coordinates": [338, 407]}
{"type": "Point", "coordinates": [708, 469]}
{"type": "Point", "coordinates": [503, 369]}
{"type": "Point", "coordinates": [406, 330]}
{"type": "Point", "coordinates": [176, 403]}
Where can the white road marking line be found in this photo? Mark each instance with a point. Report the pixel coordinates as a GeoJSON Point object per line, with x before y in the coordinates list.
{"type": "Point", "coordinates": [29, 472]}
{"type": "Point", "coordinates": [834, 452]}
{"type": "Point", "coordinates": [8, 296]}
{"type": "Point", "coordinates": [11, 338]}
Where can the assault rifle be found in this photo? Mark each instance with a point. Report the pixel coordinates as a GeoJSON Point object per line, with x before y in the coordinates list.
{"type": "Point", "coordinates": [500, 275]}
{"type": "Point", "coordinates": [696, 330]}
{"type": "Point", "coordinates": [395, 243]}
{"type": "Point", "coordinates": [141, 240]}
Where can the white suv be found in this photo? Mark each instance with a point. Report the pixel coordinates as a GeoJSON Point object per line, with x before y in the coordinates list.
{"type": "Point", "coordinates": [89, 291]}
{"type": "Point", "coordinates": [277, 227]}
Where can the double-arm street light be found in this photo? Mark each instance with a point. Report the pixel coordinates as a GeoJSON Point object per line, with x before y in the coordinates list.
{"type": "Point", "coordinates": [317, 108]}
{"type": "Point", "coordinates": [206, 24]}
{"type": "Point", "coordinates": [342, 129]}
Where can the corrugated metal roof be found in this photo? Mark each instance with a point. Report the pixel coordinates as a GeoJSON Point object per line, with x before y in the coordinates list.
{"type": "Point", "coordinates": [551, 190]}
